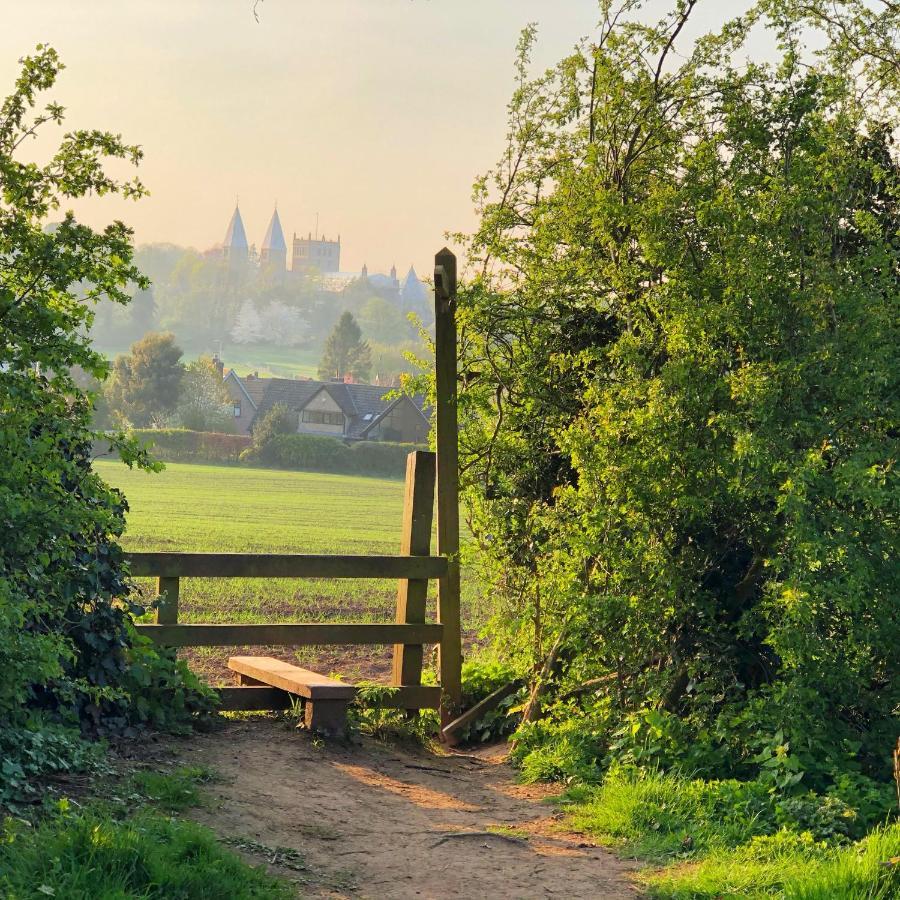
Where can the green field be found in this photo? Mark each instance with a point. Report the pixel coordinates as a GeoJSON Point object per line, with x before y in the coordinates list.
{"type": "Point", "coordinates": [244, 510]}
{"type": "Point", "coordinates": [280, 362]}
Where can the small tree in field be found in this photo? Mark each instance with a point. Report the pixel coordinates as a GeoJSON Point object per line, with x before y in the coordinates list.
{"type": "Point", "coordinates": [278, 420]}
{"type": "Point", "coordinates": [346, 353]}
{"type": "Point", "coordinates": [146, 382]}
{"type": "Point", "coordinates": [204, 402]}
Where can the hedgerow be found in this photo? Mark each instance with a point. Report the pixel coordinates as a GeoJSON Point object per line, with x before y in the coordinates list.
{"type": "Point", "coordinates": [72, 663]}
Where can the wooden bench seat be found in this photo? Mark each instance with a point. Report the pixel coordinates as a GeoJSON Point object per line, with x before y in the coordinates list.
{"type": "Point", "coordinates": [326, 699]}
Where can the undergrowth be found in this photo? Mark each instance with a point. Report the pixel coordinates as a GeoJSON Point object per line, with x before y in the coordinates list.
{"type": "Point", "coordinates": [86, 854]}
{"type": "Point", "coordinates": [731, 838]}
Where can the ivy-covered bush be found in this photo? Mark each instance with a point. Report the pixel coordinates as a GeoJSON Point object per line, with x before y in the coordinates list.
{"type": "Point", "coordinates": [68, 651]}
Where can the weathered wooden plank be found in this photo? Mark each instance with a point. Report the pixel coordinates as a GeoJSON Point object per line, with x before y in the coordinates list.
{"type": "Point", "coordinates": [288, 677]}
{"type": "Point", "coordinates": [290, 635]}
{"type": "Point", "coordinates": [167, 611]}
{"type": "Point", "coordinates": [445, 366]}
{"type": "Point", "coordinates": [283, 565]}
{"type": "Point", "coordinates": [418, 510]}
{"type": "Point", "coordinates": [249, 699]}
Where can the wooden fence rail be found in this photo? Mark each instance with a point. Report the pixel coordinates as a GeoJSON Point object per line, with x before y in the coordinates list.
{"type": "Point", "coordinates": [284, 565]}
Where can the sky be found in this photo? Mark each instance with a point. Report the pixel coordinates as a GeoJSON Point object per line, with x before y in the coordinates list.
{"type": "Point", "coordinates": [375, 116]}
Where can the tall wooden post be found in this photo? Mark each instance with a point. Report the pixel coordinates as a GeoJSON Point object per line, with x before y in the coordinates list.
{"type": "Point", "coordinates": [418, 511]}
{"type": "Point", "coordinates": [450, 654]}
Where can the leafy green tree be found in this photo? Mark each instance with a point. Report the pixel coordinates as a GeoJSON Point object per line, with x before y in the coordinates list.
{"type": "Point", "coordinates": [383, 322]}
{"type": "Point", "coordinates": [68, 652]}
{"type": "Point", "coordinates": [280, 419]}
{"type": "Point", "coordinates": [146, 383]}
{"type": "Point", "coordinates": [346, 353]}
{"type": "Point", "coordinates": [204, 403]}
{"type": "Point", "coordinates": [680, 393]}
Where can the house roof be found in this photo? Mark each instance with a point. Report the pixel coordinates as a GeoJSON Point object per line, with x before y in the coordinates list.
{"type": "Point", "coordinates": [364, 405]}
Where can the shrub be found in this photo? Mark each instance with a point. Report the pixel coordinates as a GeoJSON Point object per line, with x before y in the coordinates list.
{"type": "Point", "coordinates": [480, 678]}
{"type": "Point", "coordinates": [182, 445]}
{"type": "Point", "coordinates": [278, 420]}
{"type": "Point", "coordinates": [305, 451]}
{"type": "Point", "coordinates": [380, 458]}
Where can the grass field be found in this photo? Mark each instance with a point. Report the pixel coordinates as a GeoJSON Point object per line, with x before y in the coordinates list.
{"type": "Point", "coordinates": [280, 362]}
{"type": "Point", "coordinates": [242, 510]}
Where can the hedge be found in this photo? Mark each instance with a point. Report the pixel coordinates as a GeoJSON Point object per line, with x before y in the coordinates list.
{"type": "Point", "coordinates": [326, 454]}
{"type": "Point", "coordinates": [305, 452]}
{"type": "Point", "coordinates": [181, 445]}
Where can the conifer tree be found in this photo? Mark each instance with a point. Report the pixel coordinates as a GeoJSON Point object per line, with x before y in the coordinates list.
{"type": "Point", "coordinates": [346, 353]}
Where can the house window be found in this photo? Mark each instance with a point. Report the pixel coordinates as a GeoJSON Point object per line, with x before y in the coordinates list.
{"type": "Point", "coordinates": [237, 409]}
{"type": "Point", "coordinates": [319, 417]}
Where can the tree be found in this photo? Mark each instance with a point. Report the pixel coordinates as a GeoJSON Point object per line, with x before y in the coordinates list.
{"type": "Point", "coordinates": [248, 327]}
{"type": "Point", "coordinates": [68, 651]}
{"type": "Point", "coordinates": [283, 325]}
{"type": "Point", "coordinates": [680, 394]}
{"type": "Point", "coordinates": [346, 353]}
{"type": "Point", "coordinates": [204, 403]}
{"type": "Point", "coordinates": [277, 420]}
{"type": "Point", "coordinates": [146, 382]}
{"type": "Point", "coordinates": [384, 323]}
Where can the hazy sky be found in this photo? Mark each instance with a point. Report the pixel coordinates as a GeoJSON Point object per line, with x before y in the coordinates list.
{"type": "Point", "coordinates": [377, 114]}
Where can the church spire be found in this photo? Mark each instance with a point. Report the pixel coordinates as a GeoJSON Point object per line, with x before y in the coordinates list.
{"type": "Point", "coordinates": [235, 247]}
{"type": "Point", "coordinates": [274, 247]}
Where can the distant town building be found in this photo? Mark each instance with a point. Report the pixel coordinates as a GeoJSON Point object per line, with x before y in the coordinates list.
{"type": "Point", "coordinates": [316, 253]}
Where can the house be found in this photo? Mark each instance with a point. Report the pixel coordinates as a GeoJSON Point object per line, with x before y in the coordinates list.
{"type": "Point", "coordinates": [357, 412]}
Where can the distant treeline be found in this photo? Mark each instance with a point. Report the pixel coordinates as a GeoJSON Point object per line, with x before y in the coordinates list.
{"type": "Point", "coordinates": [303, 452]}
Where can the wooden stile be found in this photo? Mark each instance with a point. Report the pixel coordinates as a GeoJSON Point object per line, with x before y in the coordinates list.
{"type": "Point", "coordinates": [413, 568]}
{"type": "Point", "coordinates": [418, 509]}
{"type": "Point", "coordinates": [445, 367]}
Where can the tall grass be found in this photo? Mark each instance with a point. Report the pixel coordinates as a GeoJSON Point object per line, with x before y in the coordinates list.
{"type": "Point", "coordinates": [88, 856]}
{"type": "Point", "coordinates": [720, 839]}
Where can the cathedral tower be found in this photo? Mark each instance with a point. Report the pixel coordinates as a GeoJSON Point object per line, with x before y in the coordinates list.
{"type": "Point", "coordinates": [273, 255]}
{"type": "Point", "coordinates": [235, 248]}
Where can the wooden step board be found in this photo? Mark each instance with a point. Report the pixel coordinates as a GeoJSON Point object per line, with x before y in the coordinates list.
{"type": "Point", "coordinates": [326, 698]}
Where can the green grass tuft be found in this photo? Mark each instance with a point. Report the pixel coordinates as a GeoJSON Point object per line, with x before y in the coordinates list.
{"type": "Point", "coordinates": [87, 856]}
{"type": "Point", "coordinates": [172, 791]}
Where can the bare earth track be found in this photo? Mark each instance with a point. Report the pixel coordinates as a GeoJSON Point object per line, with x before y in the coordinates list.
{"type": "Point", "coordinates": [372, 820]}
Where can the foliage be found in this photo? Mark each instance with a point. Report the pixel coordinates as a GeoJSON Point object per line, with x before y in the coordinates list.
{"type": "Point", "coordinates": [204, 403]}
{"type": "Point", "coordinates": [480, 678]}
{"type": "Point", "coordinates": [733, 838]}
{"type": "Point", "coordinates": [181, 445]}
{"type": "Point", "coordinates": [316, 453]}
{"type": "Point", "coordinates": [146, 383]}
{"type": "Point", "coordinates": [679, 396]}
{"type": "Point", "coordinates": [89, 854]}
{"type": "Point", "coordinates": [305, 451]}
{"type": "Point", "coordinates": [383, 723]}
{"type": "Point", "coordinates": [346, 353]}
{"type": "Point", "coordinates": [69, 653]}
{"type": "Point", "coordinates": [277, 420]}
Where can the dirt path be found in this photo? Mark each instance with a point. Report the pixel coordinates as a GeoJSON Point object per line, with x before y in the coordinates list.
{"type": "Point", "coordinates": [375, 821]}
